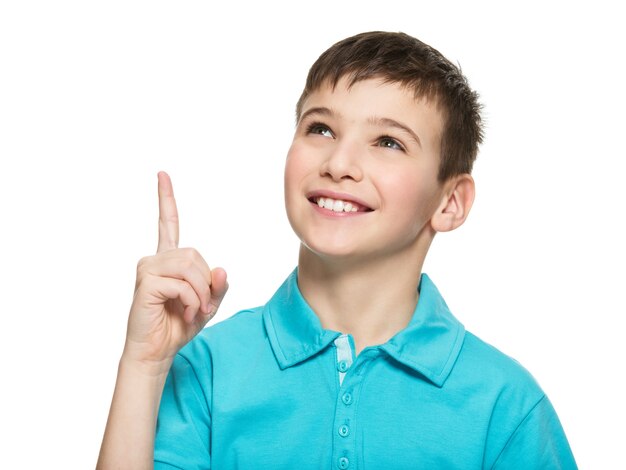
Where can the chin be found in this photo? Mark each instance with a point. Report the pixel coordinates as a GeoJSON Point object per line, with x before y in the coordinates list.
{"type": "Point", "coordinates": [325, 252]}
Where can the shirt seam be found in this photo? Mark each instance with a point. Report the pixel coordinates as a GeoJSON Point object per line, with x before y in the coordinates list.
{"type": "Point", "coordinates": [514, 433]}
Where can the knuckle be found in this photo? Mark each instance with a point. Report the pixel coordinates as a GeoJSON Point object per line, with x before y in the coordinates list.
{"type": "Point", "coordinates": [142, 263]}
{"type": "Point", "coordinates": [186, 263]}
{"type": "Point", "coordinates": [172, 218]}
{"type": "Point", "coordinates": [192, 254]}
{"type": "Point", "coordinates": [187, 252]}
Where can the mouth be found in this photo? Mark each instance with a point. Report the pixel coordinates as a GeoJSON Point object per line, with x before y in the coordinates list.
{"type": "Point", "coordinates": [338, 205]}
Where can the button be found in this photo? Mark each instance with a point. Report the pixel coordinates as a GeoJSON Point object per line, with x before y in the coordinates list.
{"type": "Point", "coordinates": [343, 462]}
{"type": "Point", "coordinates": [346, 398]}
{"type": "Point", "coordinates": [344, 430]}
{"type": "Point", "coordinates": [342, 366]}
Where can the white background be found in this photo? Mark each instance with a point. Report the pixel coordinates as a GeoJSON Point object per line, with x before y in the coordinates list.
{"type": "Point", "coordinates": [96, 97]}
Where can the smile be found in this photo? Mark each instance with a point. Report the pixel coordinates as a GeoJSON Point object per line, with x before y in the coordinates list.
{"type": "Point", "coordinates": [337, 205]}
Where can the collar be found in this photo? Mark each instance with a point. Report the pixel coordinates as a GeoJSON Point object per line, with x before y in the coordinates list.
{"type": "Point", "coordinates": [429, 344]}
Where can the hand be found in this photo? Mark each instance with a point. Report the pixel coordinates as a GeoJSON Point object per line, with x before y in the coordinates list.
{"type": "Point", "coordinates": [176, 293]}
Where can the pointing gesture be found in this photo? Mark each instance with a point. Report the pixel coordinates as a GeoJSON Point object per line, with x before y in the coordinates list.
{"type": "Point", "coordinates": [168, 214]}
{"type": "Point", "coordinates": [176, 292]}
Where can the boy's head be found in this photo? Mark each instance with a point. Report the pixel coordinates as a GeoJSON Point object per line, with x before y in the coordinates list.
{"type": "Point", "coordinates": [399, 58]}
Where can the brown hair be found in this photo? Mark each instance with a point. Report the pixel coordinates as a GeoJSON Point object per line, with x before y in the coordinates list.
{"type": "Point", "coordinates": [400, 58]}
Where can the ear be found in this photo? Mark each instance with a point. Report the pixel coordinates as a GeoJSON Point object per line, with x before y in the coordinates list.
{"type": "Point", "coordinates": [456, 202]}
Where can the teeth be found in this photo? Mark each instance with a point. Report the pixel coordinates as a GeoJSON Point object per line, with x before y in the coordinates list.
{"type": "Point", "coordinates": [338, 206]}
{"type": "Point", "coordinates": [335, 205]}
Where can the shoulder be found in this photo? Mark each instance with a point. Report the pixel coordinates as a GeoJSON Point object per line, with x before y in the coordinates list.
{"type": "Point", "coordinates": [524, 430]}
{"type": "Point", "coordinates": [502, 387]}
{"type": "Point", "coordinates": [487, 363]}
{"type": "Point", "coordinates": [234, 334]}
{"type": "Point", "coordinates": [241, 326]}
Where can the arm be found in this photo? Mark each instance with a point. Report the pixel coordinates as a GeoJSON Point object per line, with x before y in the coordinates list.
{"type": "Point", "coordinates": [538, 442]}
{"type": "Point", "coordinates": [176, 293]}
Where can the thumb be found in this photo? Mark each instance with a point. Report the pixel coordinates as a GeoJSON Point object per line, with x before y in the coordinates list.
{"type": "Point", "coordinates": [219, 287]}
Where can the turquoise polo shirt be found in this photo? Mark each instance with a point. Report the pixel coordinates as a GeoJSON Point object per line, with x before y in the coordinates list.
{"type": "Point", "coordinates": [269, 388]}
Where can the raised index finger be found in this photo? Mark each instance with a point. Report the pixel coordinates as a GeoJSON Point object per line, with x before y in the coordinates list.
{"type": "Point", "coordinates": [168, 214]}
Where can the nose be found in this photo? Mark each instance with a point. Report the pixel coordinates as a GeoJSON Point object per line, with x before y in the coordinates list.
{"type": "Point", "coordinates": [343, 162]}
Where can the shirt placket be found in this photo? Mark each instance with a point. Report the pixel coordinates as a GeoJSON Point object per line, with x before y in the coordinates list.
{"type": "Point", "coordinates": [344, 424]}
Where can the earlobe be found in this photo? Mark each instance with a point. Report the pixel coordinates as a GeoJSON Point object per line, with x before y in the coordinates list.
{"type": "Point", "coordinates": [456, 203]}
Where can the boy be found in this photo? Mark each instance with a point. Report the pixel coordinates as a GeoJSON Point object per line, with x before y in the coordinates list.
{"type": "Point", "coordinates": [356, 361]}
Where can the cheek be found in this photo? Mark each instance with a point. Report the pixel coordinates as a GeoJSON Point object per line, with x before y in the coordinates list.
{"type": "Point", "coordinates": [410, 194]}
{"type": "Point", "coordinates": [296, 166]}
{"type": "Point", "coordinates": [291, 170]}
{"type": "Point", "coordinates": [295, 170]}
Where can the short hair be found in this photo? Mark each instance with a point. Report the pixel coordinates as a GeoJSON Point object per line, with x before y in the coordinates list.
{"type": "Point", "coordinates": [400, 58]}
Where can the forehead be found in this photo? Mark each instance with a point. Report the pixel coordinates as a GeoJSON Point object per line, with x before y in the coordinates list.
{"type": "Point", "coordinates": [375, 101]}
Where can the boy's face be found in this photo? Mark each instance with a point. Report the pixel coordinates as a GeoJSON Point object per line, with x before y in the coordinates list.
{"type": "Point", "coordinates": [361, 173]}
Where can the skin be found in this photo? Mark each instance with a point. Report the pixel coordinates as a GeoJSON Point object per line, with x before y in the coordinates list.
{"type": "Point", "coordinates": [372, 144]}
{"type": "Point", "coordinates": [376, 144]}
{"type": "Point", "coordinates": [176, 293]}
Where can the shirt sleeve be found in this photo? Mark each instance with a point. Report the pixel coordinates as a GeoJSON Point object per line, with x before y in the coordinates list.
{"type": "Point", "coordinates": [539, 442]}
{"type": "Point", "coordinates": [183, 431]}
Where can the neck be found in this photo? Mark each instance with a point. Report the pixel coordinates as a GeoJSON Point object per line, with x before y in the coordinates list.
{"type": "Point", "coordinates": [372, 301]}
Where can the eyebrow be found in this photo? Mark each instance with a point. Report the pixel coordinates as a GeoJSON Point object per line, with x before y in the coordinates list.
{"type": "Point", "coordinates": [318, 110]}
{"type": "Point", "coordinates": [386, 122]}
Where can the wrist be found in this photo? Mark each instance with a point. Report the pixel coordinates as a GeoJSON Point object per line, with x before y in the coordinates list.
{"type": "Point", "coordinates": [147, 368]}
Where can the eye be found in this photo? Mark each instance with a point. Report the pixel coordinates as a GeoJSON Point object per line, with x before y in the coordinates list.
{"type": "Point", "coordinates": [390, 143]}
{"type": "Point", "coordinates": [320, 129]}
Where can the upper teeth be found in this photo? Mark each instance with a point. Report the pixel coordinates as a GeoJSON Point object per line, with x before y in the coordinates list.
{"type": "Point", "coordinates": [335, 205]}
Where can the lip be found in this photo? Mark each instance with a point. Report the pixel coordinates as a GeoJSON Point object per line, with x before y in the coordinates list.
{"type": "Point", "coordinates": [363, 208]}
{"type": "Point", "coordinates": [343, 196]}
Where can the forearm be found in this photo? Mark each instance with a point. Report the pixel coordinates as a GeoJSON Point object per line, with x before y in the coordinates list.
{"type": "Point", "coordinates": [128, 441]}
{"type": "Point", "coordinates": [176, 293]}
